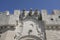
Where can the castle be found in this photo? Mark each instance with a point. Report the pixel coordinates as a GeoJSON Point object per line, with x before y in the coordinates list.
{"type": "Point", "coordinates": [30, 25]}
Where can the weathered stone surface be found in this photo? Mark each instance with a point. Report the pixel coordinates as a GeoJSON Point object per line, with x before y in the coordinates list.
{"type": "Point", "coordinates": [25, 25]}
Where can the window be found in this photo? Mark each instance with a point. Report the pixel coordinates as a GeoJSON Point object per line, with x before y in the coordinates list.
{"type": "Point", "coordinates": [51, 18]}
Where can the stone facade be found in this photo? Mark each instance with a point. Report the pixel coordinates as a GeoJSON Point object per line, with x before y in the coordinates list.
{"type": "Point", "coordinates": [30, 25]}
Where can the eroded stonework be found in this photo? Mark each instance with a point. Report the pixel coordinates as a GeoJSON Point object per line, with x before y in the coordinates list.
{"type": "Point", "coordinates": [30, 25]}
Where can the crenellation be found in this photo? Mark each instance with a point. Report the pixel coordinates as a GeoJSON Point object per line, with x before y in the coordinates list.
{"type": "Point", "coordinates": [17, 12]}
{"type": "Point", "coordinates": [4, 13]}
{"type": "Point", "coordinates": [56, 12]}
{"type": "Point", "coordinates": [44, 14]}
{"type": "Point", "coordinates": [7, 13]}
{"type": "Point", "coordinates": [36, 12]}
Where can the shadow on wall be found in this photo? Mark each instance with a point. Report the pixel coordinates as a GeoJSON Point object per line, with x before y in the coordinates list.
{"type": "Point", "coordinates": [6, 28]}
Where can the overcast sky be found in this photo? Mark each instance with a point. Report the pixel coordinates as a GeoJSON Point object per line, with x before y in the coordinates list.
{"type": "Point", "coordinates": [11, 5]}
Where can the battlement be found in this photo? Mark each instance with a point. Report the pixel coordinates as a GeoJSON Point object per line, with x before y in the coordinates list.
{"type": "Point", "coordinates": [53, 19]}
{"type": "Point", "coordinates": [18, 12]}
{"type": "Point", "coordinates": [4, 13]}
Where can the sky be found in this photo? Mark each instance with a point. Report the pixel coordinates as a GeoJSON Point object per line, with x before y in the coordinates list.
{"type": "Point", "coordinates": [12, 5]}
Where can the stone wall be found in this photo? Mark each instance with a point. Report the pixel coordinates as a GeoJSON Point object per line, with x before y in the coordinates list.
{"type": "Point", "coordinates": [53, 34]}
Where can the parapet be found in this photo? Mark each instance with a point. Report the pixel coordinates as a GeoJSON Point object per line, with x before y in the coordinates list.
{"type": "Point", "coordinates": [18, 14]}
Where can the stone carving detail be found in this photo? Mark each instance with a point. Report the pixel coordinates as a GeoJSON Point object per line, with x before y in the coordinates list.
{"type": "Point", "coordinates": [30, 25]}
